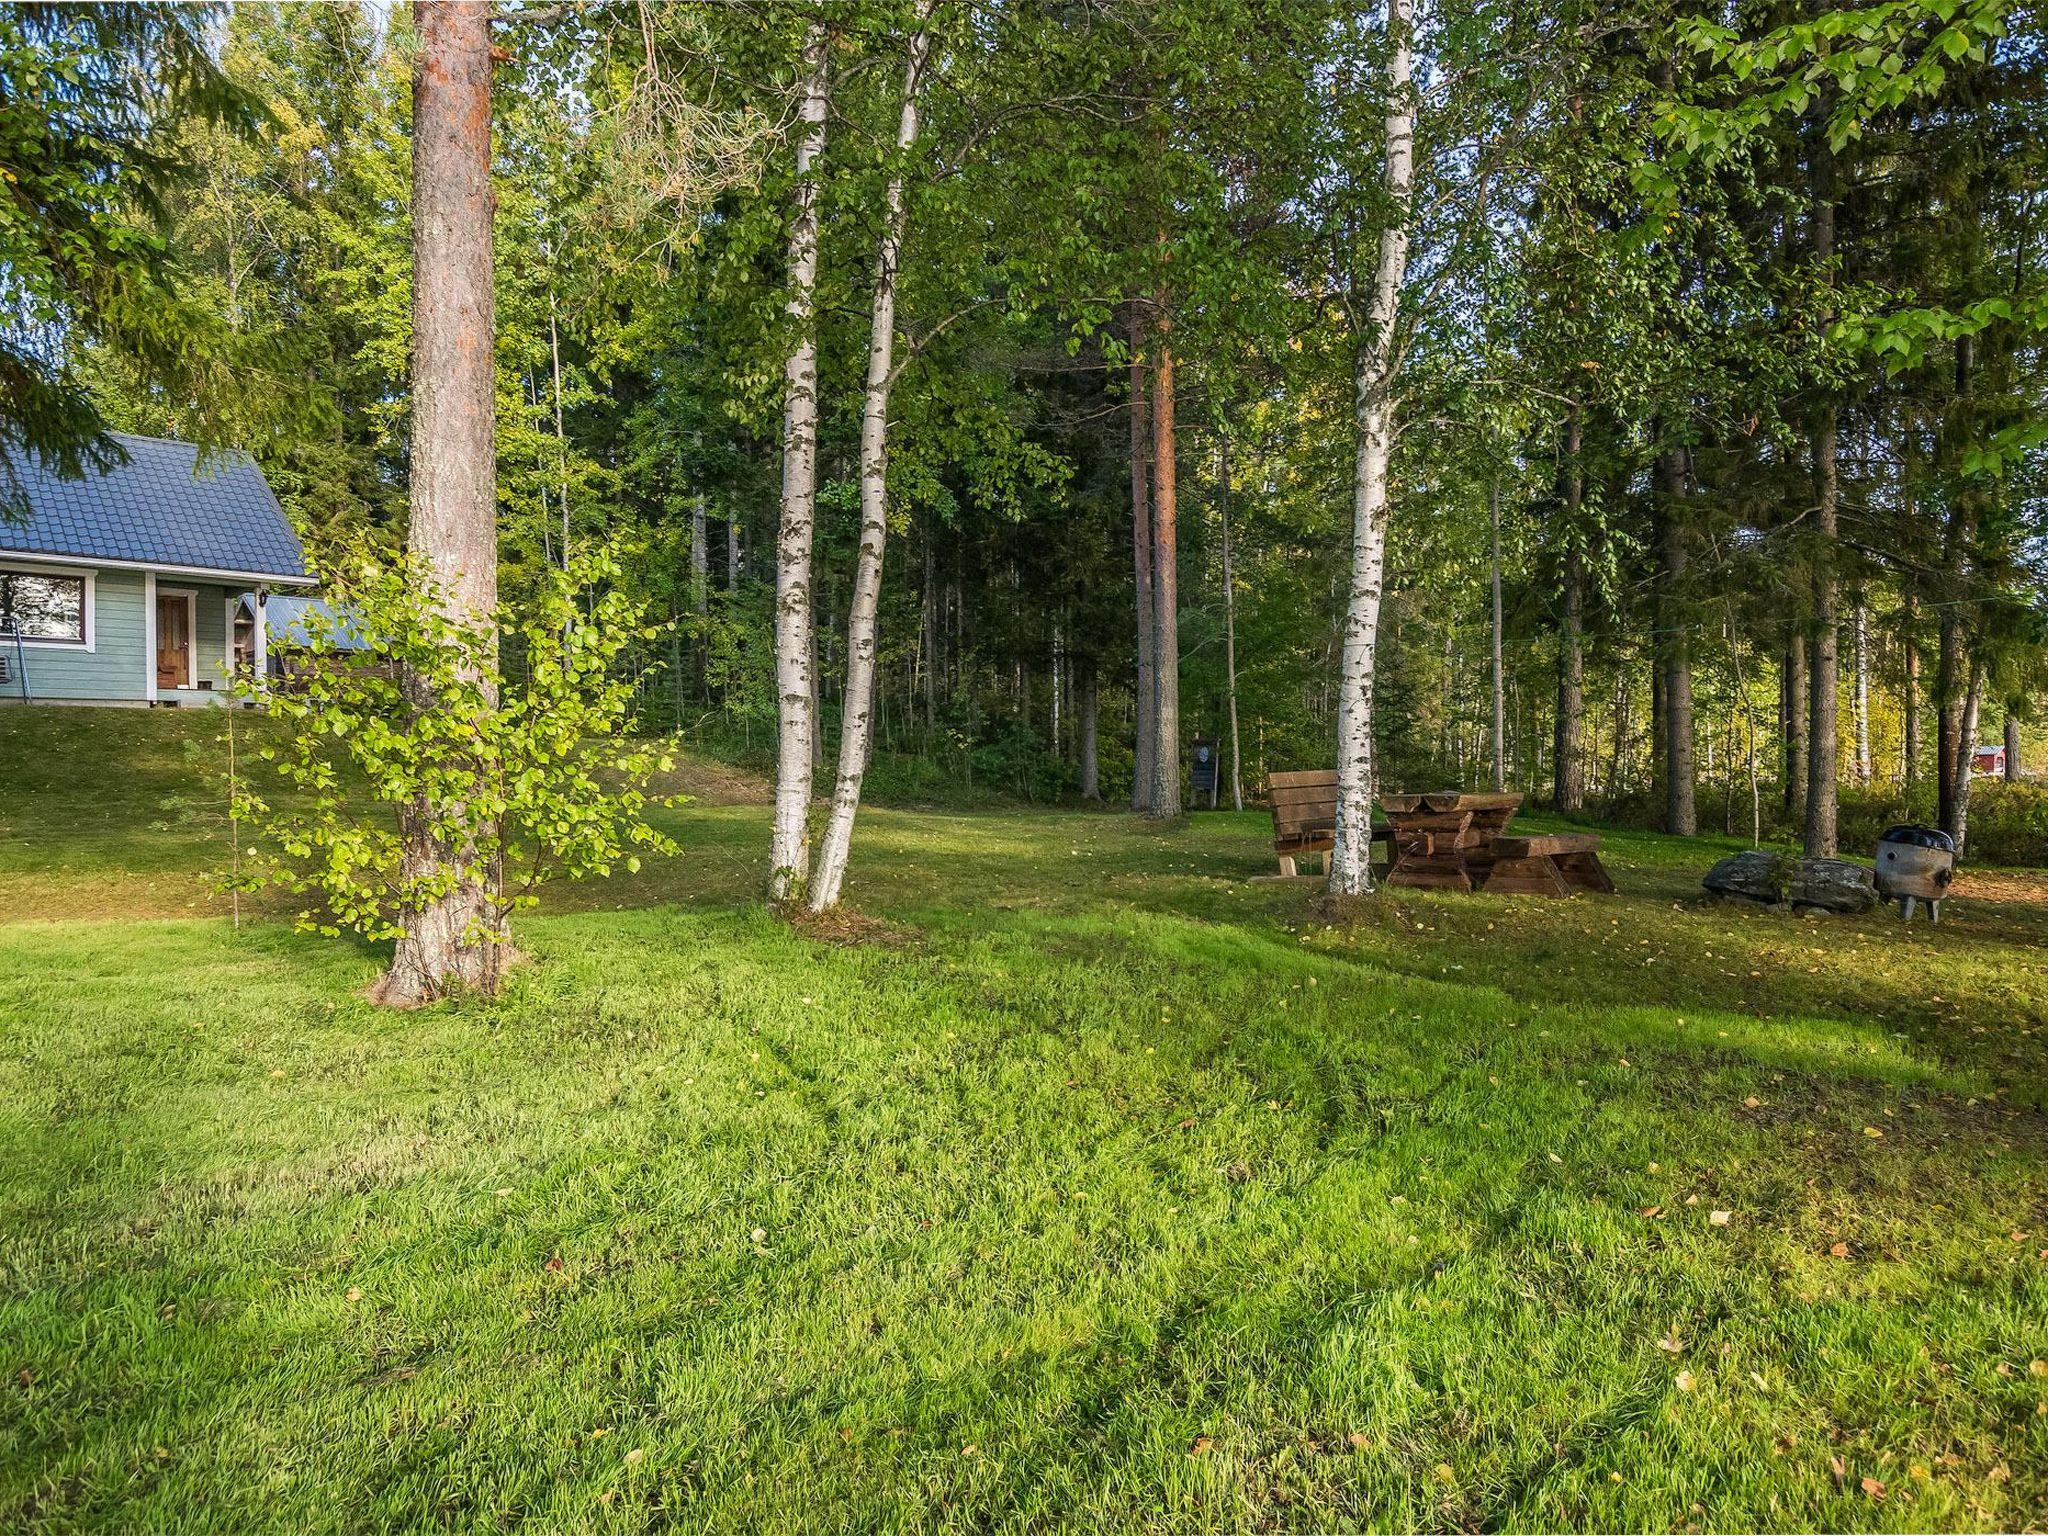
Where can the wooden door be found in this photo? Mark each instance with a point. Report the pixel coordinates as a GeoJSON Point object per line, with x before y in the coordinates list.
{"type": "Point", "coordinates": [173, 641]}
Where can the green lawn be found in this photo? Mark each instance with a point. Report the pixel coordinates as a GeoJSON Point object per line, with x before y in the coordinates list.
{"type": "Point", "coordinates": [1127, 1195]}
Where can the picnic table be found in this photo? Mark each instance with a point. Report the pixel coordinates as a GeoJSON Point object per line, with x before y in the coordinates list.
{"type": "Point", "coordinates": [1445, 840]}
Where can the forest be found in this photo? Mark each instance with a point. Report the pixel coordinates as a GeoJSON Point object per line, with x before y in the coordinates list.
{"type": "Point", "coordinates": [1638, 406]}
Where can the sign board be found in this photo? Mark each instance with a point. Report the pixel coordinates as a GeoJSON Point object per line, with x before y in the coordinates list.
{"type": "Point", "coordinates": [1202, 770]}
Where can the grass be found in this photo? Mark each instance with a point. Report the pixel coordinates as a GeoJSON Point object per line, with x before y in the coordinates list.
{"type": "Point", "coordinates": [1129, 1195]}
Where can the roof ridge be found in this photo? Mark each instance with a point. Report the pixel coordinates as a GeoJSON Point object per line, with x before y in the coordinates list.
{"type": "Point", "coordinates": [179, 442]}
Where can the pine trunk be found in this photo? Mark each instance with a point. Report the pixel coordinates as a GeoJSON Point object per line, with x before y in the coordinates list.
{"type": "Point", "coordinates": [1373, 406]}
{"type": "Point", "coordinates": [856, 730]}
{"type": "Point", "coordinates": [1568, 770]}
{"type": "Point", "coordinates": [1145, 702]}
{"type": "Point", "coordinates": [796, 715]}
{"type": "Point", "coordinates": [1823, 752]}
{"type": "Point", "coordinates": [1500, 692]}
{"type": "Point", "coordinates": [1909, 701]}
{"type": "Point", "coordinates": [1229, 624]}
{"type": "Point", "coordinates": [452, 941]}
{"type": "Point", "coordinates": [1948, 718]}
{"type": "Point", "coordinates": [1091, 780]}
{"type": "Point", "coordinates": [1165, 579]}
{"type": "Point", "coordinates": [1792, 715]}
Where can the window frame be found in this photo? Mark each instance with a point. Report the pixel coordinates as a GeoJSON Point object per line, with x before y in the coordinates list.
{"type": "Point", "coordinates": [89, 582]}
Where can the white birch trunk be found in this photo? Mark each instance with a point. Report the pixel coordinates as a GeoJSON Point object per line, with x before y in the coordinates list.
{"type": "Point", "coordinates": [1862, 643]}
{"type": "Point", "coordinates": [1350, 859]}
{"type": "Point", "coordinates": [857, 727]}
{"type": "Point", "coordinates": [796, 717]}
{"type": "Point", "coordinates": [700, 564]}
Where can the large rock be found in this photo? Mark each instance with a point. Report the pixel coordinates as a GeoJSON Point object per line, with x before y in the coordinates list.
{"type": "Point", "coordinates": [1780, 879]}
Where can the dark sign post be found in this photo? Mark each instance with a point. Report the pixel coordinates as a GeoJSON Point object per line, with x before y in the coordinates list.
{"type": "Point", "coordinates": [1202, 772]}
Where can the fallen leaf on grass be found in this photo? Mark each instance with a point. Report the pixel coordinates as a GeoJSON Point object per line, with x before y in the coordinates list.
{"type": "Point", "coordinates": [1651, 1210]}
{"type": "Point", "coordinates": [1201, 1445]}
{"type": "Point", "coordinates": [1684, 1381]}
{"type": "Point", "coordinates": [1671, 1344]}
{"type": "Point", "coordinates": [1873, 1487]}
{"type": "Point", "coordinates": [1720, 1218]}
{"type": "Point", "coordinates": [354, 1293]}
{"type": "Point", "coordinates": [635, 1456]}
{"type": "Point", "coordinates": [553, 1265]}
{"type": "Point", "coordinates": [1358, 1440]}
{"type": "Point", "coordinates": [1840, 1250]}
{"type": "Point", "coordinates": [1875, 1135]}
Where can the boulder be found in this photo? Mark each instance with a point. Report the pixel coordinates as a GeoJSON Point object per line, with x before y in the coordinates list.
{"type": "Point", "coordinates": [1781, 879]}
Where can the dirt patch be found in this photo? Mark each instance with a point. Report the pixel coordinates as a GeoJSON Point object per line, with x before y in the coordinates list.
{"type": "Point", "coordinates": [2030, 889]}
{"type": "Point", "coordinates": [845, 929]}
{"type": "Point", "coordinates": [710, 782]}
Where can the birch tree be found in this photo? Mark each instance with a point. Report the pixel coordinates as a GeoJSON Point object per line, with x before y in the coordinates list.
{"type": "Point", "coordinates": [450, 940]}
{"type": "Point", "coordinates": [1374, 376]}
{"type": "Point", "coordinates": [856, 731]}
{"type": "Point", "coordinates": [796, 715]}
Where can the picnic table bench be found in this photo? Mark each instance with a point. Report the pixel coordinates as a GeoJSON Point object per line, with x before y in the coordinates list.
{"type": "Point", "coordinates": [1440, 840]}
{"type": "Point", "coordinates": [1304, 806]}
{"type": "Point", "coordinates": [1550, 864]}
{"type": "Point", "coordinates": [1444, 840]}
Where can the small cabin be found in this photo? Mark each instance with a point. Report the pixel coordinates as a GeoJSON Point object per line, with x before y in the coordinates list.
{"type": "Point", "coordinates": [143, 584]}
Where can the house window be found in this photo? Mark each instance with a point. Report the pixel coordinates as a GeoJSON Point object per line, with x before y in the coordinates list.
{"type": "Point", "coordinates": [39, 607]}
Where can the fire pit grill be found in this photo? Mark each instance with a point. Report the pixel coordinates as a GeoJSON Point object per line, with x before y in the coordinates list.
{"type": "Point", "coordinates": [1915, 864]}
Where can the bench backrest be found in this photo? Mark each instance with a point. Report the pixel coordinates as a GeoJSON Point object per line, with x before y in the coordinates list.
{"type": "Point", "coordinates": [1304, 804]}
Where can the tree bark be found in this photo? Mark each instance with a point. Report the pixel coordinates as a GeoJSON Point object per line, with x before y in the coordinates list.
{"type": "Point", "coordinates": [857, 717]}
{"type": "Point", "coordinates": [1375, 370]}
{"type": "Point", "coordinates": [452, 940]}
{"type": "Point", "coordinates": [1091, 779]}
{"type": "Point", "coordinates": [1792, 715]}
{"type": "Point", "coordinates": [796, 716]}
{"type": "Point", "coordinates": [1229, 623]}
{"type": "Point", "coordinates": [1823, 754]}
{"type": "Point", "coordinates": [700, 562]}
{"type": "Point", "coordinates": [1146, 705]}
{"type": "Point", "coordinates": [2012, 746]}
{"type": "Point", "coordinates": [1950, 748]}
{"type": "Point", "coordinates": [1568, 769]}
{"type": "Point", "coordinates": [1165, 575]}
{"type": "Point", "coordinates": [1500, 692]}
{"type": "Point", "coordinates": [1966, 758]}
{"type": "Point", "coordinates": [1860, 629]}
{"type": "Point", "coordinates": [732, 554]}
{"type": "Point", "coordinates": [1909, 701]}
{"type": "Point", "coordinates": [1681, 813]}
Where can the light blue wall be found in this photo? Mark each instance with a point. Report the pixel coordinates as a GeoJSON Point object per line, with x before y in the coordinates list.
{"type": "Point", "coordinates": [117, 668]}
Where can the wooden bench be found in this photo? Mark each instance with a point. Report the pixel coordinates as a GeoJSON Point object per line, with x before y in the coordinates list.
{"type": "Point", "coordinates": [1304, 807]}
{"type": "Point", "coordinates": [1548, 864]}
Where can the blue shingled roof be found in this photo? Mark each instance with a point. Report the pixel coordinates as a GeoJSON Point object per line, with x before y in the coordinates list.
{"type": "Point", "coordinates": [155, 510]}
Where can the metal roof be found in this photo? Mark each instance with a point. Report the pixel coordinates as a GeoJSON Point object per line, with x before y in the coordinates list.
{"type": "Point", "coordinates": [161, 508]}
{"type": "Point", "coordinates": [296, 620]}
